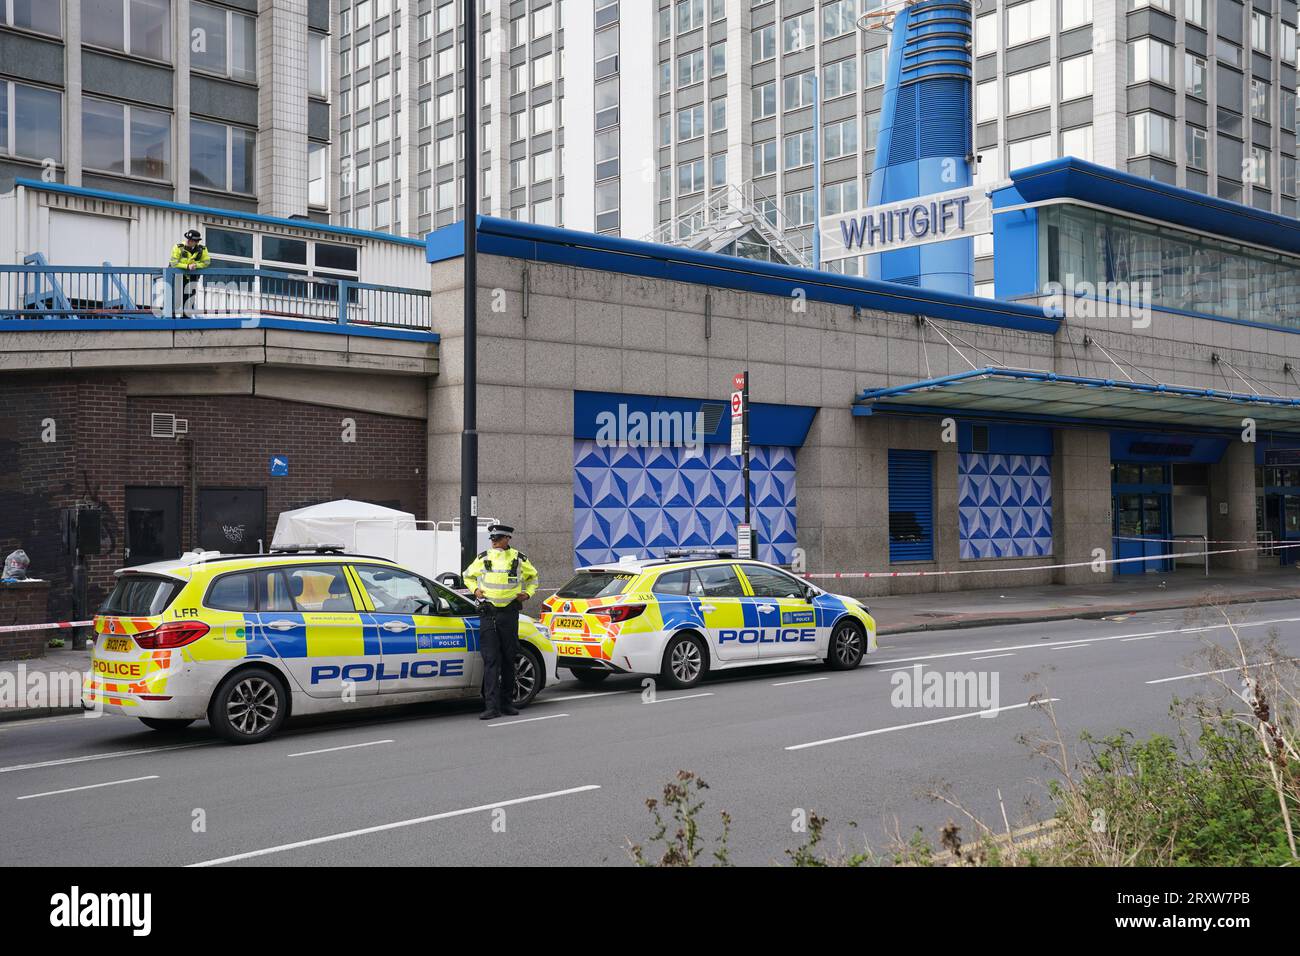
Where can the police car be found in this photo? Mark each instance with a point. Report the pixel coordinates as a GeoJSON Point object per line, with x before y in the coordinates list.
{"type": "Point", "coordinates": [247, 640]}
{"type": "Point", "coordinates": [686, 614]}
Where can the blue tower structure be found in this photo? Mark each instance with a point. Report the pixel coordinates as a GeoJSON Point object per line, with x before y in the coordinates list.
{"type": "Point", "coordinates": [924, 144]}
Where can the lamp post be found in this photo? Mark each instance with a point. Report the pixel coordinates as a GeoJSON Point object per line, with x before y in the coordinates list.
{"type": "Point", "coordinates": [469, 432]}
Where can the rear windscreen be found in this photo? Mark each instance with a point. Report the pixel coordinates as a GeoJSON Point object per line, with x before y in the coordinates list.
{"type": "Point", "coordinates": [594, 584]}
{"type": "Point", "coordinates": [141, 595]}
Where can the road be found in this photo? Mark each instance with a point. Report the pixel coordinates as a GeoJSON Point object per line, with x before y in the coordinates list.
{"type": "Point", "coordinates": [571, 775]}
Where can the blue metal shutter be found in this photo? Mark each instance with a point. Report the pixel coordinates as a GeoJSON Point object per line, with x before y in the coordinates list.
{"type": "Point", "coordinates": [911, 505]}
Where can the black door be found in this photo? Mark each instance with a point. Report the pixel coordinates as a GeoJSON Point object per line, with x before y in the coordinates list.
{"type": "Point", "coordinates": [232, 520]}
{"type": "Point", "coordinates": [153, 525]}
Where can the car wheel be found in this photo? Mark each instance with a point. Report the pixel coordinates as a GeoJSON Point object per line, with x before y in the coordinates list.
{"type": "Point", "coordinates": [846, 647]}
{"type": "Point", "coordinates": [530, 675]}
{"type": "Point", "coordinates": [685, 662]}
{"type": "Point", "coordinates": [589, 676]}
{"type": "Point", "coordinates": [165, 724]}
{"type": "Point", "coordinates": [249, 705]}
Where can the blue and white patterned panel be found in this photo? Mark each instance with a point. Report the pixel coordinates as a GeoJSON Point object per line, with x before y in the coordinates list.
{"type": "Point", "coordinates": [1005, 505]}
{"type": "Point", "coordinates": [643, 501]}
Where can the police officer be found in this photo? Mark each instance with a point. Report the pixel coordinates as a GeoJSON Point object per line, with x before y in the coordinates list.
{"type": "Point", "coordinates": [191, 256]}
{"type": "Point", "coordinates": [502, 579]}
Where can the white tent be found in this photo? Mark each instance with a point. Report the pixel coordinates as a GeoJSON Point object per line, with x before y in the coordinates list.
{"type": "Point", "coordinates": [338, 522]}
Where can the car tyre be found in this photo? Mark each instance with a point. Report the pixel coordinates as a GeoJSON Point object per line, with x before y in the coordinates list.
{"type": "Point", "coordinates": [249, 706]}
{"type": "Point", "coordinates": [589, 676]}
{"type": "Point", "coordinates": [166, 724]}
{"type": "Point", "coordinates": [530, 675]}
{"type": "Point", "coordinates": [847, 646]}
{"type": "Point", "coordinates": [685, 662]}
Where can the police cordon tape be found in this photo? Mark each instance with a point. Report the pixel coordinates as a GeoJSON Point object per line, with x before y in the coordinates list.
{"type": "Point", "coordinates": [8, 628]}
{"type": "Point", "coordinates": [853, 575]}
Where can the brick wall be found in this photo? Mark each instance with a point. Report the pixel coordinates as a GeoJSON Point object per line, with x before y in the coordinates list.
{"type": "Point", "coordinates": [24, 604]}
{"type": "Point", "coordinates": [103, 446]}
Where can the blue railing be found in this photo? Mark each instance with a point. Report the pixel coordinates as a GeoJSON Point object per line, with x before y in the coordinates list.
{"type": "Point", "coordinates": [39, 291]}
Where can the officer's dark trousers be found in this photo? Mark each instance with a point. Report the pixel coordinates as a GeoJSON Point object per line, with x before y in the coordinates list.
{"type": "Point", "coordinates": [189, 288]}
{"type": "Point", "coordinates": [499, 644]}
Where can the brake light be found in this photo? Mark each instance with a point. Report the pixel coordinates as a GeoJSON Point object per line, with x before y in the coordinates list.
{"type": "Point", "coordinates": [175, 634]}
{"type": "Point", "coordinates": [618, 613]}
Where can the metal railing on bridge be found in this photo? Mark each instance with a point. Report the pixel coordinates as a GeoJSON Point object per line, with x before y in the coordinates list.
{"type": "Point", "coordinates": [36, 290]}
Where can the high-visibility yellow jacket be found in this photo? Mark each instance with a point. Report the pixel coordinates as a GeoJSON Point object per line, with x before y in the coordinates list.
{"type": "Point", "coordinates": [182, 256]}
{"type": "Point", "coordinates": [502, 574]}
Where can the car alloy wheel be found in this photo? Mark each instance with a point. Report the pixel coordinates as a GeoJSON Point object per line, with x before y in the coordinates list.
{"type": "Point", "coordinates": [686, 662]}
{"type": "Point", "coordinates": [252, 705]}
{"type": "Point", "coordinates": [846, 645]}
{"type": "Point", "coordinates": [525, 677]}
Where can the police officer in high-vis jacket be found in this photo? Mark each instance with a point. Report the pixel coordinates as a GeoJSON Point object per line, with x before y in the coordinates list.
{"type": "Point", "coordinates": [191, 257]}
{"type": "Point", "coordinates": [502, 579]}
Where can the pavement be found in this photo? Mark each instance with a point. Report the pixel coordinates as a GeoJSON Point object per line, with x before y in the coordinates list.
{"type": "Point", "coordinates": [566, 782]}
{"type": "Point", "coordinates": [910, 613]}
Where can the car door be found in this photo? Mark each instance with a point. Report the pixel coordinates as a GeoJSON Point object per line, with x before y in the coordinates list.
{"type": "Point", "coordinates": [426, 634]}
{"type": "Point", "coordinates": [786, 616]}
{"type": "Point", "coordinates": [730, 621]}
{"type": "Point", "coordinates": [311, 615]}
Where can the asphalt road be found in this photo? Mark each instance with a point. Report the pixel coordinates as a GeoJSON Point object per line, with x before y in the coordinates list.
{"type": "Point", "coordinates": [418, 786]}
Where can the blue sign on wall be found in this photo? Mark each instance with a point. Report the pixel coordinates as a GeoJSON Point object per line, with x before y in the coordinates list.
{"type": "Point", "coordinates": [279, 466]}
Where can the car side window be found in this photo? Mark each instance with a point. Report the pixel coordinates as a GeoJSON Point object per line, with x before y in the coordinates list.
{"type": "Point", "coordinates": [320, 587]}
{"type": "Point", "coordinates": [232, 592]}
{"type": "Point", "coordinates": [769, 583]}
{"type": "Point", "coordinates": [673, 582]}
{"type": "Point", "coordinates": [273, 590]}
{"type": "Point", "coordinates": [716, 580]}
{"type": "Point", "coordinates": [398, 592]}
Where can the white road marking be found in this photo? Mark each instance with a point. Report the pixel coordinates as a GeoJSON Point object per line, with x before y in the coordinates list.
{"type": "Point", "coordinates": [37, 722]}
{"type": "Point", "coordinates": [990, 657]}
{"type": "Point", "coordinates": [330, 750]}
{"type": "Point", "coordinates": [669, 700]}
{"type": "Point", "coordinates": [348, 834]}
{"type": "Point", "coordinates": [921, 723]}
{"type": "Point", "coordinates": [806, 680]}
{"type": "Point", "coordinates": [1070, 647]}
{"type": "Point", "coordinates": [1094, 640]}
{"type": "Point", "coordinates": [1225, 670]}
{"type": "Point", "coordinates": [88, 757]}
{"type": "Point", "coordinates": [603, 693]}
{"type": "Point", "coordinates": [886, 670]}
{"type": "Point", "coordinates": [525, 720]}
{"type": "Point", "coordinates": [93, 786]}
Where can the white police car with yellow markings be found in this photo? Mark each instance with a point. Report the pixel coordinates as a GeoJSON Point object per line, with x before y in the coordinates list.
{"type": "Point", "coordinates": [690, 613]}
{"type": "Point", "coordinates": [247, 640]}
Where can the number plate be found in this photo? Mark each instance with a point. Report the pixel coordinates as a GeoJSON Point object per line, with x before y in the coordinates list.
{"type": "Point", "coordinates": [117, 645]}
{"type": "Point", "coordinates": [566, 623]}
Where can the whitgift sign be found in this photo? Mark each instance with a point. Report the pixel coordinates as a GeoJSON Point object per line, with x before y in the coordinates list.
{"type": "Point", "coordinates": [911, 222]}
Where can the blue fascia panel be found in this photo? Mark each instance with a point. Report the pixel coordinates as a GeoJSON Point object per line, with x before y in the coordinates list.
{"type": "Point", "coordinates": [1071, 178]}
{"type": "Point", "coordinates": [529, 241]}
{"type": "Point", "coordinates": [781, 425]}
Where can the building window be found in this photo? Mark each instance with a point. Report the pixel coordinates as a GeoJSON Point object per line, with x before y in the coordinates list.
{"type": "Point", "coordinates": [1259, 100]}
{"type": "Point", "coordinates": [690, 123]}
{"type": "Point", "coordinates": [543, 166]}
{"type": "Point", "coordinates": [765, 158]}
{"type": "Point", "coordinates": [800, 210]}
{"type": "Point", "coordinates": [718, 59]}
{"type": "Point", "coordinates": [799, 149]}
{"type": "Point", "coordinates": [763, 43]}
{"type": "Point", "coordinates": [318, 65]}
{"type": "Point", "coordinates": [1259, 23]}
{"type": "Point", "coordinates": [607, 206]}
{"type": "Point", "coordinates": [1029, 152]}
{"type": "Point", "coordinates": [543, 69]}
{"type": "Point", "coordinates": [839, 198]}
{"type": "Point", "coordinates": [718, 170]}
{"type": "Point", "coordinates": [222, 157]}
{"type": "Point", "coordinates": [1195, 76]}
{"type": "Point", "coordinates": [1029, 90]}
{"type": "Point", "coordinates": [690, 177]}
{"type": "Point", "coordinates": [543, 23]}
{"type": "Point", "coordinates": [874, 66]}
{"type": "Point", "coordinates": [1028, 21]}
{"type": "Point", "coordinates": [797, 33]}
{"type": "Point", "coordinates": [1150, 60]}
{"type": "Point", "coordinates": [839, 18]}
{"type": "Point", "coordinates": [797, 91]}
{"type": "Point", "coordinates": [986, 101]}
{"type": "Point", "coordinates": [318, 168]}
{"type": "Point", "coordinates": [690, 68]}
{"type": "Point", "coordinates": [126, 140]}
{"type": "Point", "coordinates": [911, 505]}
{"type": "Point", "coordinates": [1075, 13]}
{"type": "Point", "coordinates": [1151, 134]}
{"type": "Point", "coordinates": [840, 139]}
{"type": "Point", "coordinates": [607, 153]}
{"type": "Point", "coordinates": [1197, 148]}
{"type": "Point", "coordinates": [1256, 172]}
{"type": "Point", "coordinates": [840, 79]}
{"type": "Point", "coordinates": [690, 15]}
{"type": "Point", "coordinates": [31, 122]}
{"type": "Point", "coordinates": [543, 118]}
{"type": "Point", "coordinates": [224, 42]}
{"type": "Point", "coordinates": [718, 109]}
{"type": "Point", "coordinates": [986, 34]}
{"type": "Point", "coordinates": [765, 100]}
{"type": "Point", "coordinates": [1077, 142]}
{"type": "Point", "coordinates": [871, 131]}
{"type": "Point", "coordinates": [1076, 77]}
{"type": "Point", "coordinates": [138, 27]}
{"type": "Point", "coordinates": [1195, 10]}
{"type": "Point", "coordinates": [40, 16]}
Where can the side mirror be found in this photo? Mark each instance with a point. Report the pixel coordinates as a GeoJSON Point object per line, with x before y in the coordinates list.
{"type": "Point", "coordinates": [452, 580]}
